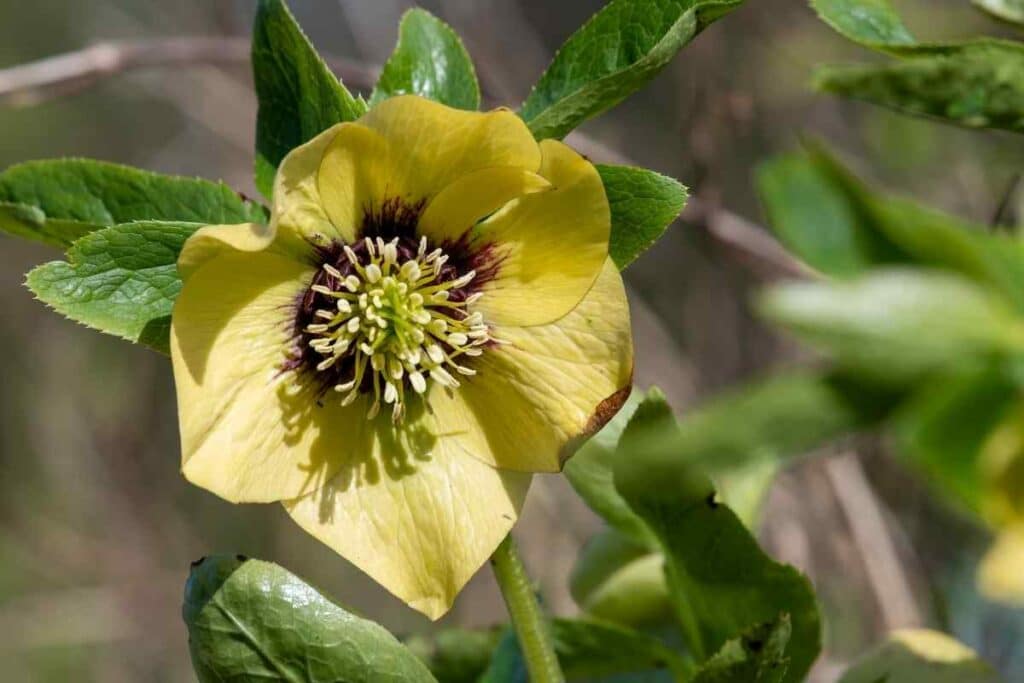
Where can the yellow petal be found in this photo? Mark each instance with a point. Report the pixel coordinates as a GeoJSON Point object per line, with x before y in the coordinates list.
{"type": "Point", "coordinates": [244, 436]}
{"type": "Point", "coordinates": [474, 196]}
{"type": "Point", "coordinates": [353, 176]}
{"type": "Point", "coordinates": [546, 248]}
{"type": "Point", "coordinates": [212, 241]}
{"type": "Point", "coordinates": [414, 513]}
{"type": "Point", "coordinates": [537, 396]}
{"type": "Point", "coordinates": [299, 215]}
{"type": "Point", "coordinates": [1001, 574]}
{"type": "Point", "coordinates": [433, 145]}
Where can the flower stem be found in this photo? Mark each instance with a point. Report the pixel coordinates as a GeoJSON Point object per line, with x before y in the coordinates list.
{"type": "Point", "coordinates": [531, 628]}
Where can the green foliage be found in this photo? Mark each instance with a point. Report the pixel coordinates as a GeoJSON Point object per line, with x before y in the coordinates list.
{"type": "Point", "coordinates": [121, 280]}
{"type": "Point", "coordinates": [429, 60]}
{"type": "Point", "coordinates": [298, 94]}
{"type": "Point", "coordinates": [976, 84]}
{"type": "Point", "coordinates": [592, 651]}
{"type": "Point", "coordinates": [457, 655]}
{"type": "Point", "coordinates": [897, 325]}
{"type": "Point", "coordinates": [918, 656]}
{"type": "Point", "coordinates": [252, 620]}
{"type": "Point", "coordinates": [1008, 10]}
{"type": "Point", "coordinates": [721, 582]}
{"type": "Point", "coordinates": [758, 656]}
{"type": "Point", "coordinates": [829, 218]}
{"type": "Point", "coordinates": [643, 205]}
{"type": "Point", "coordinates": [57, 201]}
{"type": "Point", "coordinates": [614, 54]}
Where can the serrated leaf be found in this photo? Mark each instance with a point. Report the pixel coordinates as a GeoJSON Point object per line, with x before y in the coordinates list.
{"type": "Point", "coordinates": [758, 656]}
{"type": "Point", "coordinates": [252, 620]}
{"type": "Point", "coordinates": [619, 580]}
{"type": "Point", "coordinates": [430, 61]}
{"type": "Point", "coordinates": [298, 95]}
{"type": "Point", "coordinates": [914, 656]}
{"type": "Point", "coordinates": [59, 200]}
{"type": "Point", "coordinates": [121, 280]}
{"type": "Point", "coordinates": [592, 651]}
{"type": "Point", "coordinates": [721, 582]}
{"type": "Point", "coordinates": [975, 84]}
{"type": "Point", "coordinates": [896, 325]}
{"type": "Point", "coordinates": [614, 54]}
{"type": "Point", "coordinates": [836, 224]}
{"type": "Point", "coordinates": [643, 205]}
{"type": "Point", "coordinates": [1007, 10]}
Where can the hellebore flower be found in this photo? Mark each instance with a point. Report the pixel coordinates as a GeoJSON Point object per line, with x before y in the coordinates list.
{"type": "Point", "coordinates": [430, 317]}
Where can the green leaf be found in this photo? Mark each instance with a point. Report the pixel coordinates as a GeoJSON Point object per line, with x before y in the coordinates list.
{"type": "Point", "coordinates": [298, 95]}
{"type": "Point", "coordinates": [589, 472]}
{"type": "Point", "coordinates": [977, 85]}
{"type": "Point", "coordinates": [59, 200]}
{"type": "Point", "coordinates": [896, 325]}
{"type": "Point", "coordinates": [721, 581]}
{"type": "Point", "coordinates": [914, 656]}
{"type": "Point", "coordinates": [943, 429]}
{"type": "Point", "coordinates": [250, 620]}
{"type": "Point", "coordinates": [429, 60]}
{"type": "Point", "coordinates": [872, 23]}
{"type": "Point", "coordinates": [643, 205]}
{"type": "Point", "coordinates": [1007, 10]}
{"type": "Point", "coordinates": [613, 55]}
{"type": "Point", "coordinates": [619, 580]}
{"type": "Point", "coordinates": [838, 225]}
{"type": "Point", "coordinates": [758, 656]}
{"type": "Point", "coordinates": [457, 655]}
{"type": "Point", "coordinates": [592, 650]}
{"type": "Point", "coordinates": [121, 280]}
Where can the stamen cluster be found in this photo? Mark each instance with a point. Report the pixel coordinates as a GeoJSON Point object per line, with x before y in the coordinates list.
{"type": "Point", "coordinates": [392, 322]}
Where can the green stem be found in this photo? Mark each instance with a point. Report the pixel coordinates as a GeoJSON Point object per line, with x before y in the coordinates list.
{"type": "Point", "coordinates": [531, 628]}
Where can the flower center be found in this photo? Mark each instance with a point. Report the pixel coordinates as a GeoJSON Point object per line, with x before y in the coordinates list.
{"type": "Point", "coordinates": [388, 318]}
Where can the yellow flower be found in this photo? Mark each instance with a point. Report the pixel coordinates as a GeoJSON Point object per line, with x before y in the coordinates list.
{"type": "Point", "coordinates": [430, 317]}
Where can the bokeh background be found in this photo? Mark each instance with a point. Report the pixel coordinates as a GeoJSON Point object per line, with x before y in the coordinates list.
{"type": "Point", "coordinates": [97, 527]}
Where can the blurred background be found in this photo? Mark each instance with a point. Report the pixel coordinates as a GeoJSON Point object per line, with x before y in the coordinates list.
{"type": "Point", "coordinates": [97, 527]}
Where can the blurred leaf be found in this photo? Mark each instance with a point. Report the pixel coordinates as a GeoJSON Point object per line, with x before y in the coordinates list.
{"type": "Point", "coordinates": [298, 94]}
{"type": "Point", "coordinates": [976, 85]}
{"type": "Point", "coordinates": [429, 60]}
{"type": "Point", "coordinates": [1001, 572]}
{"type": "Point", "coordinates": [758, 656]}
{"type": "Point", "coordinates": [832, 220]}
{"type": "Point", "coordinates": [592, 651]}
{"type": "Point", "coordinates": [872, 23]}
{"type": "Point", "coordinates": [916, 656]}
{"type": "Point", "coordinates": [896, 325]}
{"type": "Point", "coordinates": [252, 620]}
{"type": "Point", "coordinates": [589, 472]}
{"type": "Point", "coordinates": [721, 581]}
{"type": "Point", "coordinates": [457, 655]}
{"type": "Point", "coordinates": [643, 204]}
{"type": "Point", "coordinates": [59, 200]}
{"type": "Point", "coordinates": [616, 579]}
{"type": "Point", "coordinates": [945, 426]}
{"type": "Point", "coordinates": [121, 280]}
{"type": "Point", "coordinates": [614, 54]}
{"type": "Point", "coordinates": [1007, 10]}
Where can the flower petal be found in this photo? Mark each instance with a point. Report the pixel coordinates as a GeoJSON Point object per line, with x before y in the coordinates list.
{"type": "Point", "coordinates": [300, 214]}
{"type": "Point", "coordinates": [536, 397]}
{"type": "Point", "coordinates": [416, 514]}
{"type": "Point", "coordinates": [433, 145]}
{"type": "Point", "coordinates": [212, 241]}
{"type": "Point", "coordinates": [244, 434]}
{"type": "Point", "coordinates": [474, 196]}
{"type": "Point", "coordinates": [353, 175]}
{"type": "Point", "coordinates": [546, 248]}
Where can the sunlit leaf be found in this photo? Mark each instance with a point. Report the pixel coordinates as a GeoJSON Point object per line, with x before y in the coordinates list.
{"type": "Point", "coordinates": [1007, 10]}
{"type": "Point", "coordinates": [758, 656]}
{"type": "Point", "coordinates": [643, 204]}
{"type": "Point", "coordinates": [916, 656]}
{"type": "Point", "coordinates": [250, 620]}
{"type": "Point", "coordinates": [429, 60]}
{"type": "Point", "coordinates": [613, 55]}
